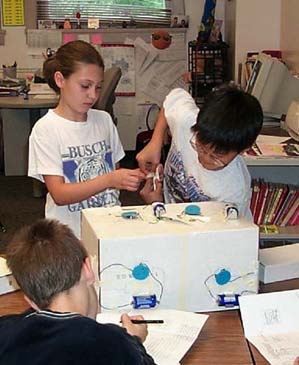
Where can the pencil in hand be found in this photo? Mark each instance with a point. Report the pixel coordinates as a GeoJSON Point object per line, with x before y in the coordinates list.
{"type": "Point", "coordinates": [147, 321]}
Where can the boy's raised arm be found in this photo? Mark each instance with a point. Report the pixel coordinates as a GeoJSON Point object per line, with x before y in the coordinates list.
{"type": "Point", "coordinates": [149, 158]}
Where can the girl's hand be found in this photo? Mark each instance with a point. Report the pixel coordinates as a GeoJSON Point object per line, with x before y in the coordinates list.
{"type": "Point", "coordinates": [127, 179]}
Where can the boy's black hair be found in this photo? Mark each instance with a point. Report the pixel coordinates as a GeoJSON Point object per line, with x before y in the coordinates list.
{"type": "Point", "coordinates": [230, 120]}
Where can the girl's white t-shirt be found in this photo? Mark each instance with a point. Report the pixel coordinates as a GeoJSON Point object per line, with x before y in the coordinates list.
{"type": "Point", "coordinates": [78, 151]}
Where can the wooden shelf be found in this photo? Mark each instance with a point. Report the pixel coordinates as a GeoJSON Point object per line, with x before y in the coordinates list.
{"type": "Point", "coordinates": [285, 233]}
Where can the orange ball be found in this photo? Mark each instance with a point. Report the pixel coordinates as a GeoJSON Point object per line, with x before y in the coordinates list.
{"type": "Point", "coordinates": [161, 39]}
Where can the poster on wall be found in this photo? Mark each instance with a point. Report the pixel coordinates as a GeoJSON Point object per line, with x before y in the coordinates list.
{"type": "Point", "coordinates": [13, 12]}
{"type": "Point", "coordinates": [123, 56]}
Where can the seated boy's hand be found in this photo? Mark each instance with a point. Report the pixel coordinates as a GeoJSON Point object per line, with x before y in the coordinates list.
{"type": "Point", "coordinates": [139, 330]}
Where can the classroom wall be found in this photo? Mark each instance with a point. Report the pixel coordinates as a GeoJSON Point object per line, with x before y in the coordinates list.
{"type": "Point", "coordinates": [15, 48]}
{"type": "Point", "coordinates": [289, 33]}
{"type": "Point", "coordinates": [252, 25]}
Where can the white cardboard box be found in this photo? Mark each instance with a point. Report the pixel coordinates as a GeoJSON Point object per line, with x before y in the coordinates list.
{"type": "Point", "coordinates": [279, 263]}
{"type": "Point", "coordinates": [7, 281]}
{"type": "Point", "coordinates": [185, 265]}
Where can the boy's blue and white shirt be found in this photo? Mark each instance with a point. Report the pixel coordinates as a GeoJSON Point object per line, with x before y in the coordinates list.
{"type": "Point", "coordinates": [78, 152]}
{"type": "Point", "coordinates": [185, 179]}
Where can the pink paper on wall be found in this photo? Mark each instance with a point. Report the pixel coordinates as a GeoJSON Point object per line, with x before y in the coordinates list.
{"type": "Point", "coordinates": [68, 37]}
{"type": "Point", "coordinates": [96, 39]}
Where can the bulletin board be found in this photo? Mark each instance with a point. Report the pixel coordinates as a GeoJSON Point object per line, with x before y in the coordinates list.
{"type": "Point", "coordinates": [13, 12]}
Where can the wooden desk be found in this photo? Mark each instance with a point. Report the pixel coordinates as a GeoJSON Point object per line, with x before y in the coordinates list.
{"type": "Point", "coordinates": [18, 117]}
{"type": "Point", "coordinates": [220, 342]}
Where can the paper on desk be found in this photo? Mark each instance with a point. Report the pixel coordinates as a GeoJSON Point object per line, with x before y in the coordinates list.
{"type": "Point", "coordinates": [263, 138]}
{"type": "Point", "coordinates": [273, 146]}
{"type": "Point", "coordinates": [4, 270]}
{"type": "Point", "coordinates": [270, 323]}
{"type": "Point", "coordinates": [41, 89]}
{"type": "Point", "coordinates": [167, 343]}
{"type": "Point", "coordinates": [46, 97]}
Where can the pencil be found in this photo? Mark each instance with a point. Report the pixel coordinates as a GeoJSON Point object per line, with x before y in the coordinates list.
{"type": "Point", "coordinates": [147, 321]}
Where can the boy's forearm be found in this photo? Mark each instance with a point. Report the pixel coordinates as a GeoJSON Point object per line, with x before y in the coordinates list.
{"type": "Point", "coordinates": [160, 128]}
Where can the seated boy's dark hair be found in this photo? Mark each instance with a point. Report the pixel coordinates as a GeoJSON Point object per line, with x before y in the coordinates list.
{"type": "Point", "coordinates": [46, 259]}
{"type": "Point", "coordinates": [230, 120]}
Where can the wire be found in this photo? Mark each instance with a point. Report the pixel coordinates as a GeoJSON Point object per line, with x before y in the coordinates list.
{"type": "Point", "coordinates": [116, 264]}
{"type": "Point", "coordinates": [131, 270]}
{"type": "Point", "coordinates": [230, 281]}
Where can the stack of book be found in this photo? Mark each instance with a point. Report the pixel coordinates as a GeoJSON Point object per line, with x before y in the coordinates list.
{"type": "Point", "coordinates": [274, 203]}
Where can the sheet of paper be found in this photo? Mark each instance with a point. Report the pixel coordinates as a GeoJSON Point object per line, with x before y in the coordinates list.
{"type": "Point", "coordinates": [83, 37]}
{"type": "Point", "coordinates": [145, 55]}
{"type": "Point", "coordinates": [270, 323]}
{"type": "Point", "coordinates": [279, 349]}
{"type": "Point", "coordinates": [37, 38]}
{"type": "Point", "coordinates": [4, 270]}
{"type": "Point", "coordinates": [273, 146]}
{"type": "Point", "coordinates": [167, 343]}
{"type": "Point", "coordinates": [262, 138]}
{"type": "Point", "coordinates": [41, 89]}
{"type": "Point", "coordinates": [45, 97]}
{"type": "Point", "coordinates": [123, 56]}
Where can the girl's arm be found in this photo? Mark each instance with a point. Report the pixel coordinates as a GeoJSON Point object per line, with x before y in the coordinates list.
{"type": "Point", "coordinates": [69, 193]}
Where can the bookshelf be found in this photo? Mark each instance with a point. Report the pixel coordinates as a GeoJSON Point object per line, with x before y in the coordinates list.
{"type": "Point", "coordinates": [276, 169]}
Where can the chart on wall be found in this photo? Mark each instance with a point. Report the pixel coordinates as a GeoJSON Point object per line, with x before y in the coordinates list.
{"type": "Point", "coordinates": [123, 56]}
{"type": "Point", "coordinates": [12, 12]}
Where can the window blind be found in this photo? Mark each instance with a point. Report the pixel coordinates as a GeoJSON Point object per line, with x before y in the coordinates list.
{"type": "Point", "coordinates": [151, 12]}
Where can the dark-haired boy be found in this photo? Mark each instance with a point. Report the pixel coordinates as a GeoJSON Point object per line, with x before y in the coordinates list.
{"type": "Point", "coordinates": [204, 161]}
{"type": "Point", "coordinates": [54, 271]}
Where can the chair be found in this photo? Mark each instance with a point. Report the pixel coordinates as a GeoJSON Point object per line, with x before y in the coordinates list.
{"type": "Point", "coordinates": [107, 98]}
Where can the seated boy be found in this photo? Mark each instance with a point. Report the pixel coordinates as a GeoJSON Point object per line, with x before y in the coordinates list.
{"type": "Point", "coordinates": [54, 271]}
{"type": "Point", "coordinates": [204, 161]}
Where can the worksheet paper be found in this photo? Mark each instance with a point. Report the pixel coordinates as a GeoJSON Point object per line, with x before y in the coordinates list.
{"type": "Point", "coordinates": [168, 342]}
{"type": "Point", "coordinates": [4, 270]}
{"type": "Point", "coordinates": [270, 323]}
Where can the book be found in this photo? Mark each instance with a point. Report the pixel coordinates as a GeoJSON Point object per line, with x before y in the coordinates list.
{"type": "Point", "coordinates": [167, 343]}
{"type": "Point", "coordinates": [272, 191]}
{"type": "Point", "coordinates": [284, 192]}
{"type": "Point", "coordinates": [294, 220]}
{"type": "Point", "coordinates": [254, 195]}
{"type": "Point", "coordinates": [264, 204]}
{"type": "Point", "coordinates": [292, 208]}
{"type": "Point", "coordinates": [260, 198]}
{"type": "Point", "coordinates": [276, 197]}
{"type": "Point", "coordinates": [283, 204]}
{"type": "Point", "coordinates": [291, 197]}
